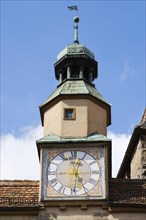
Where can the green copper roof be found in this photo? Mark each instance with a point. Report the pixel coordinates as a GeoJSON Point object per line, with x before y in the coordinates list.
{"type": "Point", "coordinates": [72, 87]}
{"type": "Point", "coordinates": [96, 137]}
{"type": "Point", "coordinates": [75, 49]}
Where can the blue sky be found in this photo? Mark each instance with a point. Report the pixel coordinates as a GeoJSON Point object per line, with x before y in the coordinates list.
{"type": "Point", "coordinates": [34, 32]}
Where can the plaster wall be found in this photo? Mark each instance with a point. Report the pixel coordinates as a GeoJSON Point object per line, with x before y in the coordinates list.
{"type": "Point", "coordinates": [89, 118]}
{"type": "Point", "coordinates": [138, 162]}
{"type": "Point", "coordinates": [76, 213]}
{"type": "Point", "coordinates": [52, 120]}
{"type": "Point", "coordinates": [79, 126]}
{"type": "Point", "coordinates": [135, 166]}
{"type": "Point", "coordinates": [18, 217]}
{"type": "Point", "coordinates": [91, 213]}
{"type": "Point", "coordinates": [97, 119]}
{"type": "Point", "coordinates": [125, 216]}
{"type": "Point", "coordinates": [143, 157]}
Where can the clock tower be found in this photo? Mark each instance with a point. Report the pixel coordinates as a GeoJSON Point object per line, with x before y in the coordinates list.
{"type": "Point", "coordinates": [75, 153]}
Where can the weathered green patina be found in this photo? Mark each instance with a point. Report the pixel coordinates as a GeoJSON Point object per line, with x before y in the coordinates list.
{"type": "Point", "coordinates": [95, 137]}
{"type": "Point", "coordinates": [76, 49]}
{"type": "Point", "coordinates": [72, 87]}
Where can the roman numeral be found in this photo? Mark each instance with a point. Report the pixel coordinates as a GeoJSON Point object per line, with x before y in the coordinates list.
{"type": "Point", "coordinates": [51, 172]}
{"type": "Point", "coordinates": [92, 181]}
{"type": "Point", "coordinates": [84, 156]}
{"type": "Point", "coordinates": [61, 189]}
{"type": "Point", "coordinates": [54, 182]}
{"type": "Point", "coordinates": [62, 156]}
{"type": "Point", "coordinates": [92, 162]}
{"type": "Point", "coordinates": [73, 191]}
{"type": "Point", "coordinates": [95, 171]}
{"type": "Point", "coordinates": [74, 154]}
{"type": "Point", "coordinates": [54, 163]}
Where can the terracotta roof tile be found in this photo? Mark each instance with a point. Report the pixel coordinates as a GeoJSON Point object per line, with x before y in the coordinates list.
{"type": "Point", "coordinates": [25, 193]}
{"type": "Point", "coordinates": [19, 193]}
{"type": "Point", "coordinates": [127, 191]}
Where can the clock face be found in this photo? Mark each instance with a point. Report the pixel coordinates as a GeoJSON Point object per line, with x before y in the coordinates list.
{"type": "Point", "coordinates": [73, 173]}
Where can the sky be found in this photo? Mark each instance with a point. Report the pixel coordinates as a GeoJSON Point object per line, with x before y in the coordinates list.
{"type": "Point", "coordinates": [32, 34]}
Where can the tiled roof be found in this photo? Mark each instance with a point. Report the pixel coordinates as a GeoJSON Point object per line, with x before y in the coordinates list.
{"type": "Point", "coordinates": [19, 193]}
{"type": "Point", "coordinates": [78, 88]}
{"type": "Point", "coordinates": [25, 193]}
{"type": "Point", "coordinates": [127, 191]}
{"type": "Point", "coordinates": [75, 87]}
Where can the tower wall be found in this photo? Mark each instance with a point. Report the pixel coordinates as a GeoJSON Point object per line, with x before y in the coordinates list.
{"type": "Point", "coordinates": [52, 120]}
{"type": "Point", "coordinates": [76, 213]}
{"type": "Point", "coordinates": [88, 118]}
{"type": "Point", "coordinates": [97, 120]}
{"type": "Point", "coordinates": [138, 169]}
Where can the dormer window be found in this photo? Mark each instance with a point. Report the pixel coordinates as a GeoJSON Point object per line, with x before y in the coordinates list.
{"type": "Point", "coordinates": [69, 114]}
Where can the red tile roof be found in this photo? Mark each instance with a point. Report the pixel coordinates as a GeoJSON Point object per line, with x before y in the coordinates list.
{"type": "Point", "coordinates": [25, 193]}
{"type": "Point", "coordinates": [127, 191]}
{"type": "Point", "coordinates": [19, 193]}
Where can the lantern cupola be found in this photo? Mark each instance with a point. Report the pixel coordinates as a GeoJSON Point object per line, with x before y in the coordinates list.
{"type": "Point", "coordinates": [76, 61]}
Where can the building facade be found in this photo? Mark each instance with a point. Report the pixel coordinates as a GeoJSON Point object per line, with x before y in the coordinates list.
{"type": "Point", "coordinates": [75, 154]}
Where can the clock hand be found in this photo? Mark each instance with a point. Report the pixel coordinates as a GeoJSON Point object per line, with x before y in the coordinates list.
{"type": "Point", "coordinates": [72, 173]}
{"type": "Point", "coordinates": [80, 180]}
{"type": "Point", "coordinates": [78, 162]}
{"type": "Point", "coordinates": [85, 190]}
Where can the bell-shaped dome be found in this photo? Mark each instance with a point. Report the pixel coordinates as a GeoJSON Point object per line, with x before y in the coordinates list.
{"type": "Point", "coordinates": [76, 49]}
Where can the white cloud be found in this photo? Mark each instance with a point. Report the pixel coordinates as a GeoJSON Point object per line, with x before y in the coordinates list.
{"type": "Point", "coordinates": [119, 145]}
{"type": "Point", "coordinates": [19, 157]}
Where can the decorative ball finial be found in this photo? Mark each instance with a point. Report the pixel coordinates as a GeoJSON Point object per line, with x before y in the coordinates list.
{"type": "Point", "coordinates": [76, 19]}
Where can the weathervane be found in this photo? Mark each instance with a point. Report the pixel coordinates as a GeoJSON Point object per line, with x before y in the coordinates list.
{"type": "Point", "coordinates": [76, 20]}
{"type": "Point", "coordinates": [74, 7]}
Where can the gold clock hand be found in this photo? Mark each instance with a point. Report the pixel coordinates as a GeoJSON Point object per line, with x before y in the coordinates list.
{"type": "Point", "coordinates": [77, 184]}
{"type": "Point", "coordinates": [73, 173]}
{"type": "Point", "coordinates": [77, 161]}
{"type": "Point", "coordinates": [80, 181]}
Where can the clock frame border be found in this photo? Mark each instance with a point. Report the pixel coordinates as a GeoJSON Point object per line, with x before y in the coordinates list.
{"type": "Point", "coordinates": [44, 147]}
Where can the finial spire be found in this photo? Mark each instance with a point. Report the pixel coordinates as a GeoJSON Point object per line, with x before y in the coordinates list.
{"type": "Point", "coordinates": [76, 20]}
